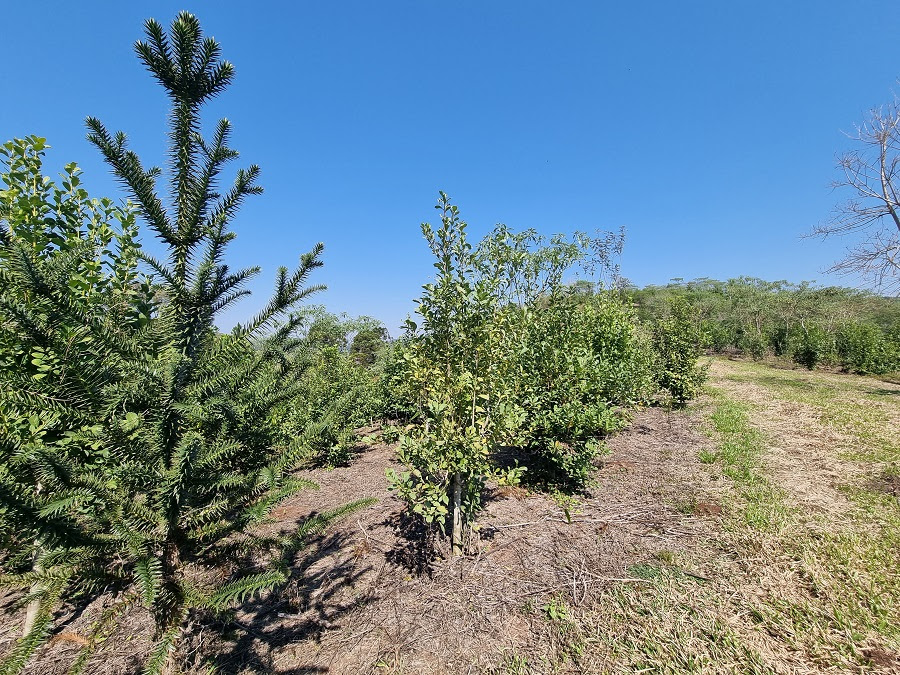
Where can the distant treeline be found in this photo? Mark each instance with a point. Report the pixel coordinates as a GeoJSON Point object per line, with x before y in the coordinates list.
{"type": "Point", "coordinates": [856, 330]}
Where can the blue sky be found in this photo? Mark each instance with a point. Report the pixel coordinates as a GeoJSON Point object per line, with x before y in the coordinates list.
{"type": "Point", "coordinates": [708, 129]}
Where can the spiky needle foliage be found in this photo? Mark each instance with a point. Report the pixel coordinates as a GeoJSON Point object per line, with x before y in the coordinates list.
{"type": "Point", "coordinates": [70, 298]}
{"type": "Point", "coordinates": [185, 461]}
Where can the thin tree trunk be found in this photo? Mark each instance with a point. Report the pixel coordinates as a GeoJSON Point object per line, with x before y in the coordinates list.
{"type": "Point", "coordinates": [34, 606]}
{"type": "Point", "coordinates": [457, 514]}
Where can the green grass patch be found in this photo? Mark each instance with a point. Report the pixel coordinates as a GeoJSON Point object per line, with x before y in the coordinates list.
{"type": "Point", "coordinates": [847, 599]}
{"type": "Point", "coordinates": [739, 450]}
{"type": "Point", "coordinates": [842, 402]}
{"type": "Point", "coordinates": [783, 586]}
{"type": "Point", "coordinates": [843, 602]}
{"type": "Point", "coordinates": [670, 626]}
{"type": "Point", "coordinates": [644, 571]}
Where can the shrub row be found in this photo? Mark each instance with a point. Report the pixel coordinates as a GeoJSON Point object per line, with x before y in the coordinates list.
{"type": "Point", "coordinates": [853, 345]}
{"type": "Point", "coordinates": [508, 357]}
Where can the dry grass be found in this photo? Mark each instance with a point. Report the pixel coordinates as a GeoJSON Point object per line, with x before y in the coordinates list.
{"type": "Point", "coordinates": [857, 416]}
{"type": "Point", "coordinates": [835, 588]}
{"type": "Point", "coordinates": [803, 575]}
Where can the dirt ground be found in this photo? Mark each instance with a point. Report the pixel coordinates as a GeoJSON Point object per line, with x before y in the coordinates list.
{"type": "Point", "coordinates": [368, 599]}
{"type": "Point", "coordinates": [463, 615]}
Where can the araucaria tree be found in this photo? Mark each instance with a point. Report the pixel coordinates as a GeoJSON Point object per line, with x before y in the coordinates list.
{"type": "Point", "coordinates": [144, 443]}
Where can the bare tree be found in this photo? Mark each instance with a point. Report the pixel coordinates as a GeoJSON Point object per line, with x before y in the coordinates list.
{"type": "Point", "coordinates": [872, 171]}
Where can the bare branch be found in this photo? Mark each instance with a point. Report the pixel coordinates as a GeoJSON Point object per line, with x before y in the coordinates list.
{"type": "Point", "coordinates": [872, 172]}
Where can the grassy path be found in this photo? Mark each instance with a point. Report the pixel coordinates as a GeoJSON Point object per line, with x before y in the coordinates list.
{"type": "Point", "coordinates": [803, 574]}
{"type": "Point", "coordinates": [813, 459]}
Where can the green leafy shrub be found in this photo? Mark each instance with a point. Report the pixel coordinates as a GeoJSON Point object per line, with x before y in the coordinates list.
{"type": "Point", "coordinates": [753, 316]}
{"type": "Point", "coordinates": [507, 355]}
{"type": "Point", "coordinates": [510, 476]}
{"type": "Point", "coordinates": [677, 341]}
{"type": "Point", "coordinates": [864, 348]}
{"type": "Point", "coordinates": [336, 394]}
{"type": "Point", "coordinates": [781, 340]}
{"type": "Point", "coordinates": [717, 335]}
{"type": "Point", "coordinates": [70, 298]}
{"type": "Point", "coordinates": [814, 346]}
{"type": "Point", "coordinates": [753, 343]}
{"type": "Point", "coordinates": [567, 363]}
{"type": "Point", "coordinates": [448, 365]}
{"type": "Point", "coordinates": [398, 393]}
{"type": "Point", "coordinates": [567, 357]}
{"type": "Point", "coordinates": [892, 335]}
{"type": "Point", "coordinates": [368, 343]}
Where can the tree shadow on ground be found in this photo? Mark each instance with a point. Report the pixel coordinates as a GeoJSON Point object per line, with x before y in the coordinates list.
{"type": "Point", "coordinates": [312, 602]}
{"type": "Point", "coordinates": [882, 392]}
{"type": "Point", "coordinates": [417, 543]}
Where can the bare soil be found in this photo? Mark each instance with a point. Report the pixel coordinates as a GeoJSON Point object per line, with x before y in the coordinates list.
{"type": "Point", "coordinates": [368, 597]}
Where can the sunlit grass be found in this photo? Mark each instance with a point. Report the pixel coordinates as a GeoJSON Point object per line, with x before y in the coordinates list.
{"type": "Point", "coordinates": [789, 587]}
{"type": "Point", "coordinates": [846, 603]}
{"type": "Point", "coordinates": [865, 410]}
{"type": "Point", "coordinates": [740, 447]}
{"type": "Point", "coordinates": [670, 625]}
